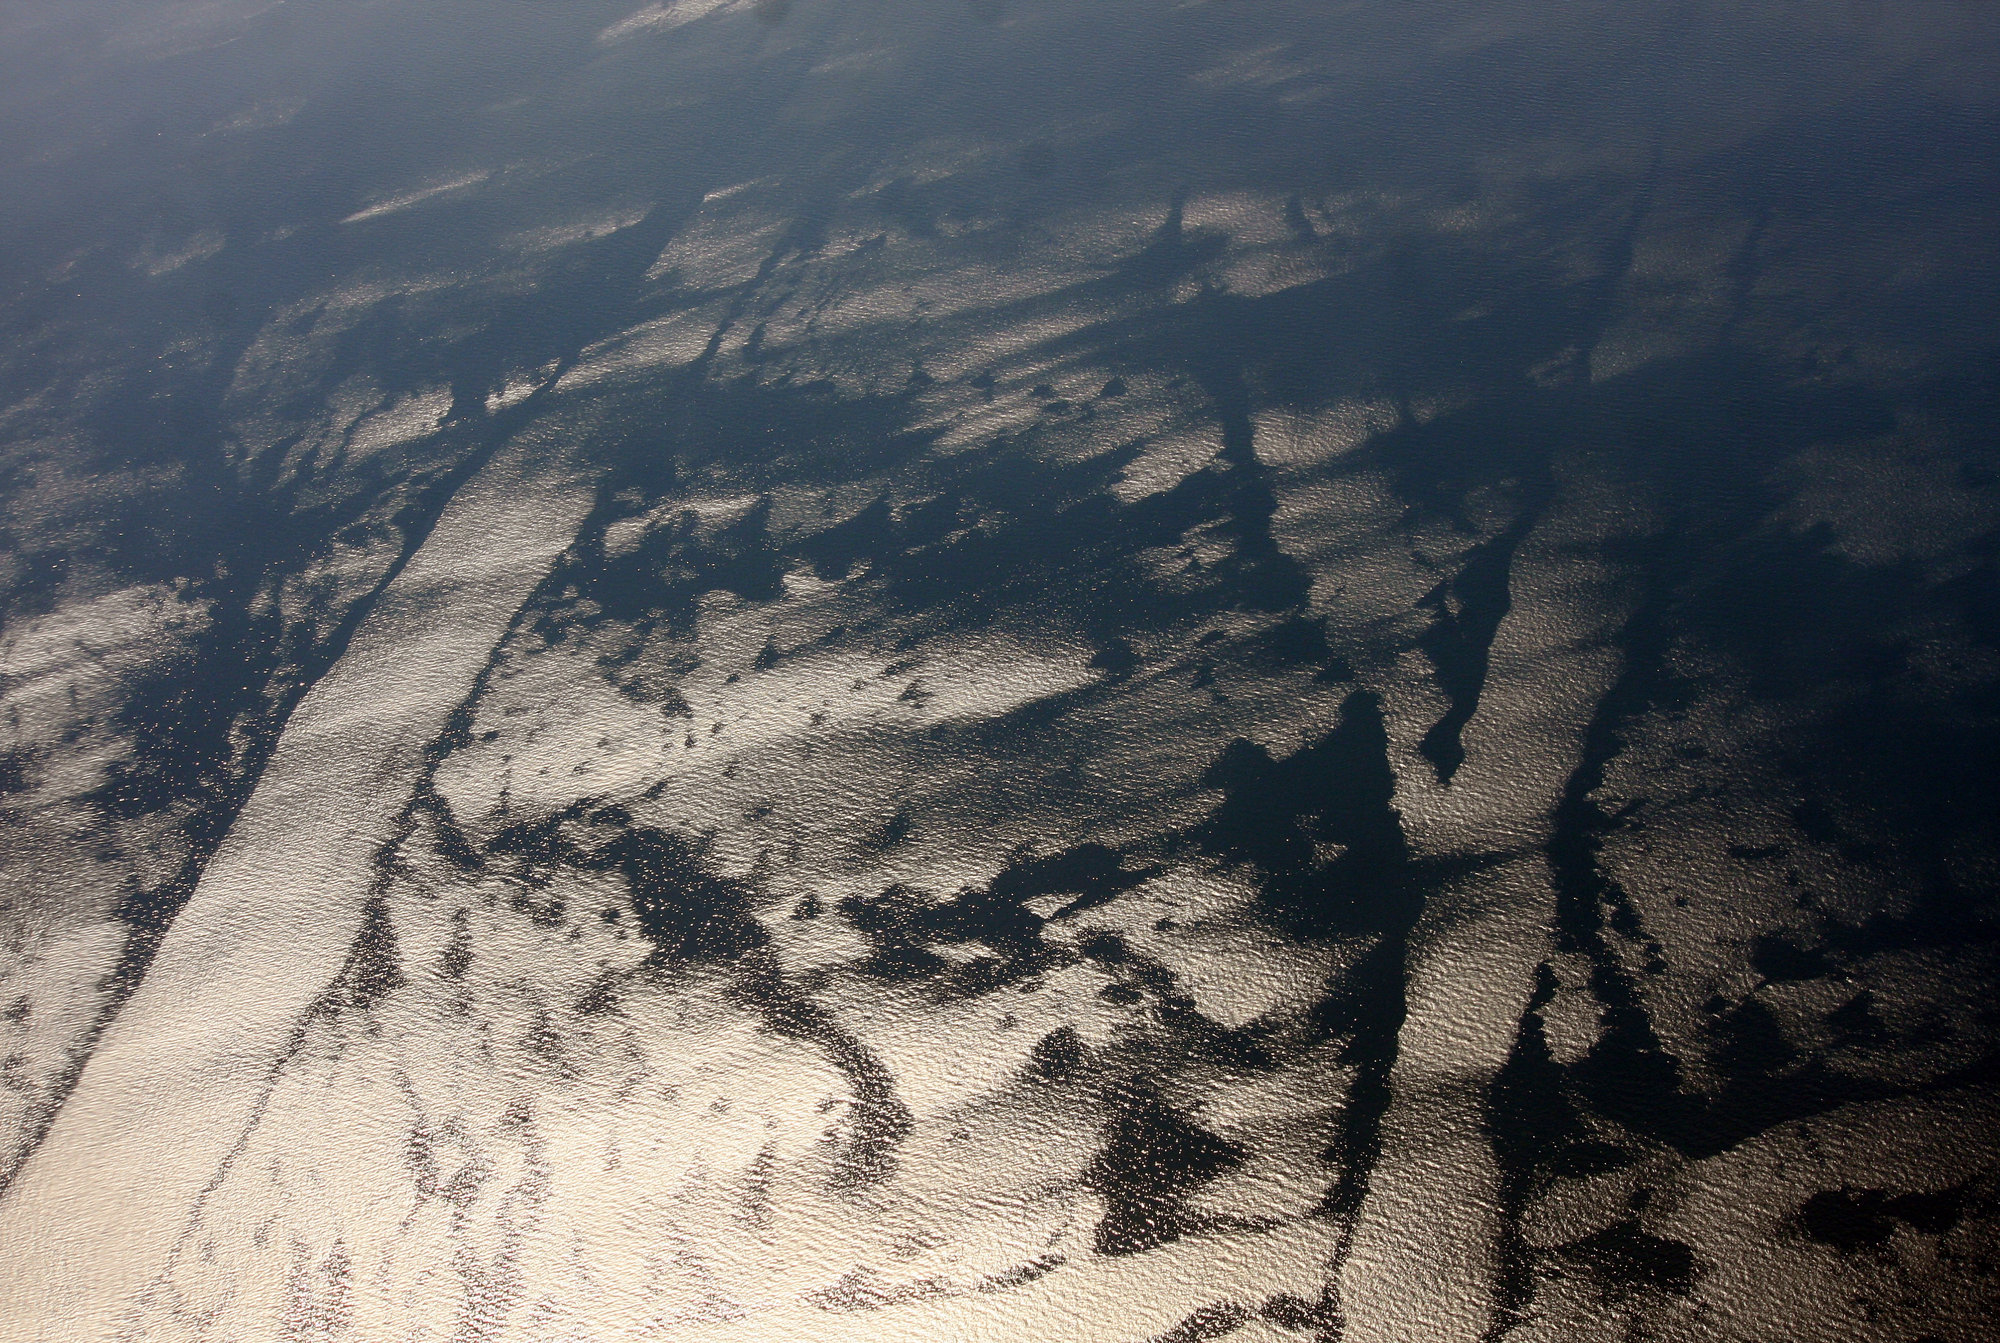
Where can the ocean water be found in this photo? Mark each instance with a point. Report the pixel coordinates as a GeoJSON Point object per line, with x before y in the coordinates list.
{"type": "Point", "coordinates": [1127, 670]}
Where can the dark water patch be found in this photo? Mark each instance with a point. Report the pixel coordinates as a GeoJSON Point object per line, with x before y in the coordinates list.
{"type": "Point", "coordinates": [456, 958]}
{"type": "Point", "coordinates": [1297, 221]}
{"type": "Point", "coordinates": [1197, 1038]}
{"type": "Point", "coordinates": [1539, 1134]}
{"type": "Point", "coordinates": [1466, 611]}
{"type": "Point", "coordinates": [1778, 956]}
{"type": "Point", "coordinates": [1536, 1123]}
{"type": "Point", "coordinates": [1022, 1274]}
{"type": "Point", "coordinates": [689, 913]}
{"type": "Point", "coordinates": [1749, 1043]}
{"type": "Point", "coordinates": [1625, 1258]}
{"type": "Point", "coordinates": [663, 578]}
{"type": "Point", "coordinates": [1057, 1055]}
{"type": "Point", "coordinates": [448, 839]}
{"type": "Point", "coordinates": [1803, 616]}
{"type": "Point", "coordinates": [1268, 578]}
{"type": "Point", "coordinates": [204, 724]}
{"type": "Point", "coordinates": [1320, 830]}
{"type": "Point", "coordinates": [1173, 251]}
{"type": "Point", "coordinates": [1300, 640]}
{"type": "Point", "coordinates": [893, 921]}
{"type": "Point", "coordinates": [878, 1121]}
{"type": "Point", "coordinates": [1214, 1321]}
{"type": "Point", "coordinates": [374, 962]}
{"type": "Point", "coordinates": [684, 910]}
{"type": "Point", "coordinates": [904, 923]}
{"type": "Point", "coordinates": [1055, 529]}
{"type": "Point", "coordinates": [1116, 657]}
{"type": "Point", "coordinates": [1367, 1011]}
{"type": "Point", "coordinates": [1856, 1021]}
{"type": "Point", "coordinates": [835, 550]}
{"type": "Point", "coordinates": [1094, 873]}
{"type": "Point", "coordinates": [906, 201]}
{"type": "Point", "coordinates": [1318, 826]}
{"type": "Point", "coordinates": [1915, 786]}
{"type": "Point", "coordinates": [1153, 1160]}
{"type": "Point", "coordinates": [696, 917]}
{"type": "Point", "coordinates": [1853, 1219]}
{"type": "Point", "coordinates": [1631, 1077]}
{"type": "Point", "coordinates": [890, 833]}
{"type": "Point", "coordinates": [16, 774]}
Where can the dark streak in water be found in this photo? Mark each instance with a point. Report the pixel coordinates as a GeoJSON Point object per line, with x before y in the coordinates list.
{"type": "Point", "coordinates": [1466, 611]}
{"type": "Point", "coordinates": [1320, 830]}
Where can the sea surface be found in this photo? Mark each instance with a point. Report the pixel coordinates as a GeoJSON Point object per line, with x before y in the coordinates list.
{"type": "Point", "coordinates": [916, 671]}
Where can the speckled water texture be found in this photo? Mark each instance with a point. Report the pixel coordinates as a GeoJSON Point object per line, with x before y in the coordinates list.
{"type": "Point", "coordinates": [1118, 671]}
